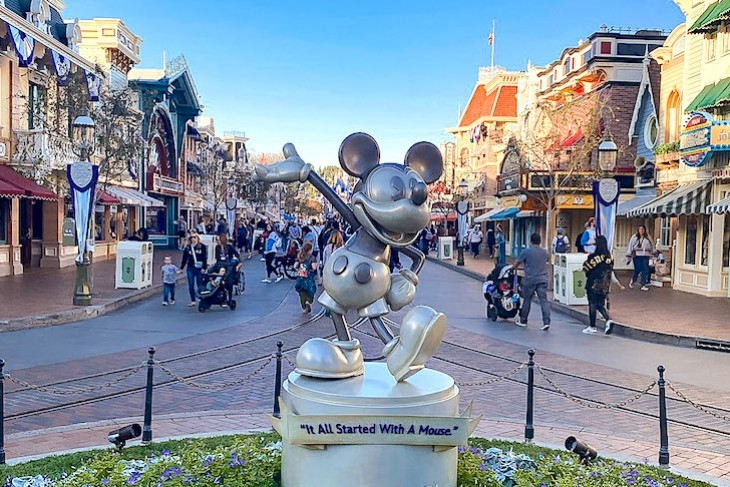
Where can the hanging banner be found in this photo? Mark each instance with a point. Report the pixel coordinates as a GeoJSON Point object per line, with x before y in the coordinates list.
{"type": "Point", "coordinates": [93, 85]}
{"type": "Point", "coordinates": [82, 177]}
{"type": "Point", "coordinates": [24, 45]}
{"type": "Point", "coordinates": [231, 204]}
{"type": "Point", "coordinates": [605, 201]}
{"type": "Point", "coordinates": [462, 217]}
{"type": "Point", "coordinates": [62, 65]}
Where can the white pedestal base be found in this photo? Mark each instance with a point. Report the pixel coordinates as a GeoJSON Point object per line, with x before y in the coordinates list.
{"type": "Point", "coordinates": [426, 394]}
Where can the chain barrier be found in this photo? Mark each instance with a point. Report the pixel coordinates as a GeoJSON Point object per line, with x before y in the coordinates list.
{"type": "Point", "coordinates": [75, 390]}
{"type": "Point", "coordinates": [214, 387]}
{"type": "Point", "coordinates": [695, 405]}
{"type": "Point", "coordinates": [590, 404]}
{"type": "Point", "coordinates": [495, 379]}
{"type": "Point", "coordinates": [289, 361]}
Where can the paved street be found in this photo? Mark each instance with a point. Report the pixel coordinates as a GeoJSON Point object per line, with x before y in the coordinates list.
{"type": "Point", "coordinates": [238, 344]}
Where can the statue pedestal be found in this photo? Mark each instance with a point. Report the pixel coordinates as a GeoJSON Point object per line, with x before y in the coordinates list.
{"type": "Point", "coordinates": [371, 430]}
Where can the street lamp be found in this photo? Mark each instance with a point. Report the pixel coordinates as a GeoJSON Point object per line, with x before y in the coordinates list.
{"type": "Point", "coordinates": [607, 154]}
{"type": "Point", "coordinates": [462, 209]}
{"type": "Point", "coordinates": [82, 176]}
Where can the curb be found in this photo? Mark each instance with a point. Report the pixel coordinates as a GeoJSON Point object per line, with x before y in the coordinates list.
{"type": "Point", "coordinates": [79, 313]}
{"type": "Point", "coordinates": [619, 329]}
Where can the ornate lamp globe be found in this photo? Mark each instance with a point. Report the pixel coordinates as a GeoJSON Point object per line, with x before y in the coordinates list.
{"type": "Point", "coordinates": [83, 135]}
{"type": "Point", "coordinates": [607, 154]}
{"type": "Point", "coordinates": [463, 188]}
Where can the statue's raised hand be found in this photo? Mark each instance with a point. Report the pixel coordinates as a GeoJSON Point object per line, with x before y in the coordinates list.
{"type": "Point", "coordinates": [290, 170]}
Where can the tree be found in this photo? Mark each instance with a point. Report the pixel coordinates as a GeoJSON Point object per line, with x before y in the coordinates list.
{"type": "Point", "coordinates": [214, 176]}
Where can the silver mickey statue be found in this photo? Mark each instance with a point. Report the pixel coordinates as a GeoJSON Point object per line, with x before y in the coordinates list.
{"type": "Point", "coordinates": [388, 209]}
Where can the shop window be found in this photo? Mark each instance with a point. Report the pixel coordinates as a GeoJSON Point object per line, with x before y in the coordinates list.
{"type": "Point", "coordinates": [726, 242]}
{"type": "Point", "coordinates": [4, 219]}
{"type": "Point", "coordinates": [37, 214]}
{"type": "Point", "coordinates": [690, 241]}
{"type": "Point", "coordinates": [705, 249]}
{"type": "Point", "coordinates": [665, 232]}
{"type": "Point", "coordinates": [156, 221]}
{"type": "Point", "coordinates": [99, 223]}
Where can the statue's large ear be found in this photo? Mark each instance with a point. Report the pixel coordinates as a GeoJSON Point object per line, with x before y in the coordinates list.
{"type": "Point", "coordinates": [359, 153]}
{"type": "Point", "coordinates": [425, 158]}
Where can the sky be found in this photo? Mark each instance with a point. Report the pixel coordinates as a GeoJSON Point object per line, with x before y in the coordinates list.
{"type": "Point", "coordinates": [312, 72]}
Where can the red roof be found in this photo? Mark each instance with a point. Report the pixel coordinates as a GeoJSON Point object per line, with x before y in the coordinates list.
{"type": "Point", "coordinates": [7, 190]}
{"type": "Point", "coordinates": [573, 138]}
{"type": "Point", "coordinates": [104, 198]}
{"type": "Point", "coordinates": [27, 187]}
{"type": "Point", "coordinates": [500, 102]}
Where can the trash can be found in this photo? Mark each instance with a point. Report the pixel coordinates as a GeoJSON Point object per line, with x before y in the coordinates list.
{"type": "Point", "coordinates": [559, 266]}
{"type": "Point", "coordinates": [210, 242]}
{"type": "Point", "coordinates": [134, 265]}
{"type": "Point", "coordinates": [572, 279]}
{"type": "Point", "coordinates": [446, 248]}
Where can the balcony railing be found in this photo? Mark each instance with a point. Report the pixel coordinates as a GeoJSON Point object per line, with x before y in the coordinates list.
{"type": "Point", "coordinates": [42, 147]}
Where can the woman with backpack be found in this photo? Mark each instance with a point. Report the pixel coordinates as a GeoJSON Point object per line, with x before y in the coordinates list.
{"type": "Point", "coordinates": [599, 275]}
{"type": "Point", "coordinates": [640, 250]}
{"type": "Point", "coordinates": [306, 265]}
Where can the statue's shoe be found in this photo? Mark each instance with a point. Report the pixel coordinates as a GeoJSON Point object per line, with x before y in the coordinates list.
{"type": "Point", "coordinates": [326, 359]}
{"type": "Point", "coordinates": [420, 336]}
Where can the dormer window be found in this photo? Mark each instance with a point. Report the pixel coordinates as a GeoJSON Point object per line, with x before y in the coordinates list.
{"type": "Point", "coordinates": [73, 35]}
{"type": "Point", "coordinates": [39, 14]}
{"type": "Point", "coordinates": [566, 67]}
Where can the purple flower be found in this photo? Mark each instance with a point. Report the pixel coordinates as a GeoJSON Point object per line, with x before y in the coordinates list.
{"type": "Point", "coordinates": [134, 478]}
{"type": "Point", "coordinates": [165, 453]}
{"type": "Point", "coordinates": [105, 481]}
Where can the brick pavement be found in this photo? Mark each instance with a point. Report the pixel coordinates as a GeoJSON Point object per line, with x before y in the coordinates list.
{"type": "Point", "coordinates": [662, 310]}
{"type": "Point", "coordinates": [48, 293]}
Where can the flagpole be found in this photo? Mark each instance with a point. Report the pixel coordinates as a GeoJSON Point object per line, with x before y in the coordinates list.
{"type": "Point", "coordinates": [494, 24]}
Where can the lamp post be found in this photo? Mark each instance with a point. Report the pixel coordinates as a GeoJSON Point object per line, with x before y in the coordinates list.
{"type": "Point", "coordinates": [462, 209]}
{"type": "Point", "coordinates": [82, 176]}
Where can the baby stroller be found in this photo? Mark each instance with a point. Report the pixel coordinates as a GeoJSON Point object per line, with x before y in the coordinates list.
{"type": "Point", "coordinates": [218, 286]}
{"type": "Point", "coordinates": [502, 292]}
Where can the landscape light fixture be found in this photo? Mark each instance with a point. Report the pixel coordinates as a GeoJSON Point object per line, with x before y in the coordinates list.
{"type": "Point", "coordinates": [121, 436]}
{"type": "Point", "coordinates": [582, 449]}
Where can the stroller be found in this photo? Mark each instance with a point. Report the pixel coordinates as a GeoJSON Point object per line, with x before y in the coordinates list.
{"type": "Point", "coordinates": [219, 282]}
{"type": "Point", "coordinates": [502, 292]}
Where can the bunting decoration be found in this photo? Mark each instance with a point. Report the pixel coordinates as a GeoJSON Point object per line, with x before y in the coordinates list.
{"type": "Point", "coordinates": [605, 203]}
{"type": "Point", "coordinates": [62, 65]}
{"type": "Point", "coordinates": [93, 84]}
{"type": "Point", "coordinates": [24, 45]}
{"type": "Point", "coordinates": [82, 177]}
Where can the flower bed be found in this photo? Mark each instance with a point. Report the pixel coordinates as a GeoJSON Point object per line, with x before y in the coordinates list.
{"type": "Point", "coordinates": [255, 460]}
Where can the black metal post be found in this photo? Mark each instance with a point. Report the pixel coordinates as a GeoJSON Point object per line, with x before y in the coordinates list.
{"type": "Point", "coordinates": [663, 433]}
{"type": "Point", "coordinates": [277, 385]}
{"type": "Point", "coordinates": [147, 428]}
{"type": "Point", "coordinates": [2, 413]}
{"type": "Point", "coordinates": [529, 428]}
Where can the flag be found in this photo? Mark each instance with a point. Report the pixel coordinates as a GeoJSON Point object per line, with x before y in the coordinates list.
{"type": "Point", "coordinates": [490, 39]}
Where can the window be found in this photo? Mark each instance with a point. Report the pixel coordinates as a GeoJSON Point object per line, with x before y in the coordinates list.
{"type": "Point", "coordinates": [673, 117]}
{"type": "Point", "coordinates": [726, 38]}
{"type": "Point", "coordinates": [711, 45]}
{"type": "Point", "coordinates": [606, 47]}
{"type": "Point", "coordinates": [99, 223]}
{"type": "Point", "coordinates": [725, 242]}
{"type": "Point", "coordinates": [651, 132]}
{"type": "Point", "coordinates": [690, 243]}
{"type": "Point", "coordinates": [4, 219]}
{"type": "Point", "coordinates": [37, 224]}
{"type": "Point", "coordinates": [665, 232]}
{"type": "Point", "coordinates": [35, 104]}
{"type": "Point", "coordinates": [705, 240]}
{"type": "Point", "coordinates": [566, 67]}
{"type": "Point", "coordinates": [624, 49]}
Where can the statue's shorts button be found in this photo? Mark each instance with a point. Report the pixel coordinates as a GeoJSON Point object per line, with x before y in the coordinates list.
{"type": "Point", "coordinates": [340, 265]}
{"type": "Point", "coordinates": [363, 273]}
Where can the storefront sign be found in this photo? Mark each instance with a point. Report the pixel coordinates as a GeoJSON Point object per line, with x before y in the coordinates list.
{"type": "Point", "coordinates": [694, 139]}
{"type": "Point", "coordinates": [575, 202]}
{"type": "Point", "coordinates": [720, 135]}
{"type": "Point", "coordinates": [68, 231]}
{"type": "Point", "coordinates": [721, 174]}
{"type": "Point", "coordinates": [167, 185]}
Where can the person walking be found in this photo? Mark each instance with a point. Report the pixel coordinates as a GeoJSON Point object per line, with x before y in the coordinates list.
{"type": "Point", "coordinates": [588, 238]}
{"type": "Point", "coordinates": [306, 265]}
{"type": "Point", "coordinates": [195, 260]}
{"type": "Point", "coordinates": [640, 250]}
{"type": "Point", "coordinates": [475, 240]}
{"type": "Point", "coordinates": [599, 274]}
{"type": "Point", "coordinates": [535, 259]}
{"type": "Point", "coordinates": [182, 233]}
{"type": "Point", "coordinates": [561, 243]}
{"type": "Point", "coordinates": [501, 246]}
{"type": "Point", "coordinates": [242, 241]}
{"type": "Point", "coordinates": [272, 246]}
{"type": "Point", "coordinates": [200, 227]}
{"type": "Point", "coordinates": [490, 242]}
{"type": "Point", "coordinates": [169, 276]}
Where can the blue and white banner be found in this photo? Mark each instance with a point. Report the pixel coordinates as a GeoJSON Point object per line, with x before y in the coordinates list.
{"type": "Point", "coordinates": [605, 203]}
{"type": "Point", "coordinates": [24, 45]}
{"type": "Point", "coordinates": [82, 178]}
{"type": "Point", "coordinates": [62, 65]}
{"type": "Point", "coordinates": [93, 84]}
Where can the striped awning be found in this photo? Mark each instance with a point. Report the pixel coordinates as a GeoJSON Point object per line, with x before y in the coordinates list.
{"type": "Point", "coordinates": [686, 199]}
{"type": "Point", "coordinates": [625, 207]}
{"type": "Point", "coordinates": [132, 197]}
{"type": "Point", "coordinates": [722, 206]}
{"type": "Point", "coordinates": [488, 215]}
{"type": "Point", "coordinates": [508, 214]}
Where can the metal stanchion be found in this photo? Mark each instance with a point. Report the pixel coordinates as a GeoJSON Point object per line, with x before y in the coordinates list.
{"type": "Point", "coordinates": [663, 433]}
{"type": "Point", "coordinates": [147, 428]}
{"type": "Point", "coordinates": [2, 413]}
{"type": "Point", "coordinates": [277, 385]}
{"type": "Point", "coordinates": [529, 428]}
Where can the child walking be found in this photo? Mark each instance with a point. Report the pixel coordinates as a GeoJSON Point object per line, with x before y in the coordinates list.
{"type": "Point", "coordinates": [169, 275]}
{"type": "Point", "coordinates": [306, 273]}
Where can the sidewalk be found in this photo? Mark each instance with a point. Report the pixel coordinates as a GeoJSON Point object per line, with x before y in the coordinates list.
{"type": "Point", "coordinates": [44, 297]}
{"type": "Point", "coordinates": [661, 315]}
{"type": "Point", "coordinates": [701, 465]}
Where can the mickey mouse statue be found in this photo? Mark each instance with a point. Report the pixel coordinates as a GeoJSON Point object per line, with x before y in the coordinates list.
{"type": "Point", "coordinates": [388, 210]}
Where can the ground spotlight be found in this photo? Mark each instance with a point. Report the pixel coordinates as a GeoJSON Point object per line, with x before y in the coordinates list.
{"type": "Point", "coordinates": [122, 435]}
{"type": "Point", "coordinates": [585, 451]}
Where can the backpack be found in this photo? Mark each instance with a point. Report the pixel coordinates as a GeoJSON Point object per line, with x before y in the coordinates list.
{"type": "Point", "coordinates": [561, 245]}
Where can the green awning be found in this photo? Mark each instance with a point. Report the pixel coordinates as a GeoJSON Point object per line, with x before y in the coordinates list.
{"type": "Point", "coordinates": [711, 96]}
{"type": "Point", "coordinates": [711, 17]}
